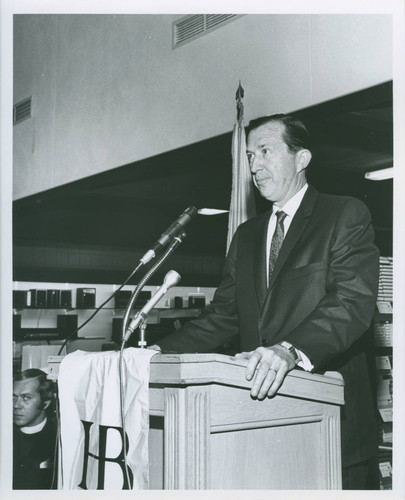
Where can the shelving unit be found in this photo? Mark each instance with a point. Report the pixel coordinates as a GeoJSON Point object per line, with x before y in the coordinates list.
{"type": "Point", "coordinates": [383, 340]}
{"type": "Point", "coordinates": [47, 326]}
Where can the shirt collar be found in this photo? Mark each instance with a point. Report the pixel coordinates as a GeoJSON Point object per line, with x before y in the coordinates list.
{"type": "Point", "coordinates": [293, 203]}
{"type": "Point", "coordinates": [35, 428]}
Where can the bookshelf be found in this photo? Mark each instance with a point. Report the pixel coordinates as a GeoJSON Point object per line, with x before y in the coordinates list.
{"type": "Point", "coordinates": [383, 340]}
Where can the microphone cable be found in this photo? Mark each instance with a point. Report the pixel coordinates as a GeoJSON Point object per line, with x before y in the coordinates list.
{"type": "Point", "coordinates": [99, 308]}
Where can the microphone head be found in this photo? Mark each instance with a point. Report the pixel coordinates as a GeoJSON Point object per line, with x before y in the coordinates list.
{"type": "Point", "coordinates": [191, 211]}
{"type": "Point", "coordinates": [171, 278]}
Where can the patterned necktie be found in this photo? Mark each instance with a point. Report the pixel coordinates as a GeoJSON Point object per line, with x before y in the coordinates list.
{"type": "Point", "coordinates": [276, 241]}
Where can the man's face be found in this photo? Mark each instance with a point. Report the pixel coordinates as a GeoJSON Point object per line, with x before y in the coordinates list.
{"type": "Point", "coordinates": [28, 410]}
{"type": "Point", "coordinates": [273, 166]}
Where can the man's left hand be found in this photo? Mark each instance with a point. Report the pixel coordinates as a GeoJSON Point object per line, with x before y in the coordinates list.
{"type": "Point", "coordinates": [267, 366]}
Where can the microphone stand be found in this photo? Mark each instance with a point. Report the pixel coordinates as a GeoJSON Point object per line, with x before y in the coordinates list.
{"type": "Point", "coordinates": [142, 343]}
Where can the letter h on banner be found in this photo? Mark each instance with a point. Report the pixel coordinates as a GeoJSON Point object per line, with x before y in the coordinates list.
{"type": "Point", "coordinates": [102, 458]}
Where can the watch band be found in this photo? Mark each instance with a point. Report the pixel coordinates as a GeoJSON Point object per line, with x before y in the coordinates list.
{"type": "Point", "coordinates": [291, 349]}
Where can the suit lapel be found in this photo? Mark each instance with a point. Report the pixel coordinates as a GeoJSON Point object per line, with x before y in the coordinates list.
{"type": "Point", "coordinates": [298, 225]}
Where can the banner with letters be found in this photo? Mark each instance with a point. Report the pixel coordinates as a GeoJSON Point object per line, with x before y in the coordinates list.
{"type": "Point", "coordinates": [91, 452]}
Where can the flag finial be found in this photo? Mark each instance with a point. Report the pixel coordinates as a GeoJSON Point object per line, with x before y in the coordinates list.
{"type": "Point", "coordinates": [240, 92]}
{"type": "Point", "coordinates": [239, 104]}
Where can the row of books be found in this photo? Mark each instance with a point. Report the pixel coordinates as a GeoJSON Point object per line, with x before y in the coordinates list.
{"type": "Point", "coordinates": [385, 286]}
{"type": "Point", "coordinates": [382, 330]}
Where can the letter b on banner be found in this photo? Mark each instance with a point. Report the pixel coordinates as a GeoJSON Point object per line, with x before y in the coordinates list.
{"type": "Point", "coordinates": [105, 463]}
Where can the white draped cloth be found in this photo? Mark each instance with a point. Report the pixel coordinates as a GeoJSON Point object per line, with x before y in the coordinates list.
{"type": "Point", "coordinates": [91, 453]}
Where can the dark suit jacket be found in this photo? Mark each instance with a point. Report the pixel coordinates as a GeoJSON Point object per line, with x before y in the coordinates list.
{"type": "Point", "coordinates": [321, 299]}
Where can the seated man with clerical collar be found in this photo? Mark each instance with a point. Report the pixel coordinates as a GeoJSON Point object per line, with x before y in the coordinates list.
{"type": "Point", "coordinates": [34, 431]}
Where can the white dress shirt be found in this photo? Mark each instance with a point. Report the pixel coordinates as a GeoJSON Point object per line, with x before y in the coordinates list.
{"type": "Point", "coordinates": [290, 208]}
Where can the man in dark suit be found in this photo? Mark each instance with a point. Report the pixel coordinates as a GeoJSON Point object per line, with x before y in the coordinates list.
{"type": "Point", "coordinates": [299, 289]}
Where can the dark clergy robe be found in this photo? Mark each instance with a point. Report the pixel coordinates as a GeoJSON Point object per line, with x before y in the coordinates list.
{"type": "Point", "coordinates": [33, 458]}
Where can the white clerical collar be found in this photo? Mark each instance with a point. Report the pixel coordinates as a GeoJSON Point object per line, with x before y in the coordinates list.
{"type": "Point", "coordinates": [293, 203]}
{"type": "Point", "coordinates": [34, 428]}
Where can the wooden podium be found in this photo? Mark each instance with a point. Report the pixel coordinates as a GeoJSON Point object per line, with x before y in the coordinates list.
{"type": "Point", "coordinates": [206, 432]}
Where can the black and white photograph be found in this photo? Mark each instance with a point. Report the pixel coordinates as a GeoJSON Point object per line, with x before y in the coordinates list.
{"type": "Point", "coordinates": [202, 249]}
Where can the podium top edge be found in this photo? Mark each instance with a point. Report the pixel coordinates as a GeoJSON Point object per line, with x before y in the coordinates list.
{"type": "Point", "coordinates": [333, 378]}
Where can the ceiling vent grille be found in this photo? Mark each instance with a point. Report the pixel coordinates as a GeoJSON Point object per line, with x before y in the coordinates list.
{"type": "Point", "coordinates": [190, 27]}
{"type": "Point", "coordinates": [22, 110]}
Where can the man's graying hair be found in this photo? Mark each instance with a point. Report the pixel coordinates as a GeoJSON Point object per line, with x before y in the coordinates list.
{"type": "Point", "coordinates": [296, 135]}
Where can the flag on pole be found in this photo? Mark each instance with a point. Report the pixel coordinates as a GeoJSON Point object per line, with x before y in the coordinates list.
{"type": "Point", "coordinates": [242, 205]}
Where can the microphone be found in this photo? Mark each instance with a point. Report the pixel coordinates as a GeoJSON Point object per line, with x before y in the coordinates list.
{"type": "Point", "coordinates": [171, 232]}
{"type": "Point", "coordinates": [171, 279]}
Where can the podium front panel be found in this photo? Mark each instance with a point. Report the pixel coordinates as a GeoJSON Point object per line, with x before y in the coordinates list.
{"type": "Point", "coordinates": [213, 435]}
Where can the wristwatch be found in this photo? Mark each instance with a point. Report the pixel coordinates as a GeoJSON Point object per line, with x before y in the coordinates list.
{"type": "Point", "coordinates": [291, 349]}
